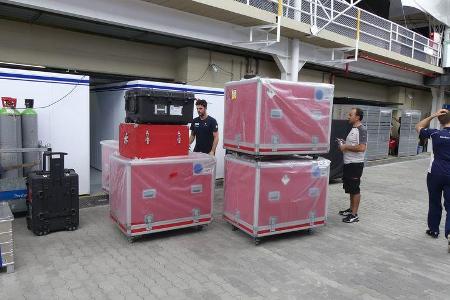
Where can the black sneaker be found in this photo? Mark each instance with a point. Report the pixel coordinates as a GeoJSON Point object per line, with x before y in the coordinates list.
{"type": "Point", "coordinates": [433, 234]}
{"type": "Point", "coordinates": [449, 246]}
{"type": "Point", "coordinates": [351, 219]}
{"type": "Point", "coordinates": [345, 212]}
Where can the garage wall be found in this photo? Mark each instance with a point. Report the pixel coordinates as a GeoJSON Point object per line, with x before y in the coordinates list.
{"type": "Point", "coordinates": [345, 87]}
{"type": "Point", "coordinates": [233, 68]}
{"type": "Point", "coordinates": [39, 45]}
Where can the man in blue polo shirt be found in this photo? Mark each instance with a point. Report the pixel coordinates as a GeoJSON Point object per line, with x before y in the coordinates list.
{"type": "Point", "coordinates": [438, 180]}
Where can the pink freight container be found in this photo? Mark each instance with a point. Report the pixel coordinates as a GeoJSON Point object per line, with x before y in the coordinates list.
{"type": "Point", "coordinates": [109, 147]}
{"type": "Point", "coordinates": [160, 194]}
{"type": "Point", "coordinates": [267, 198]}
{"type": "Point", "coordinates": [273, 117]}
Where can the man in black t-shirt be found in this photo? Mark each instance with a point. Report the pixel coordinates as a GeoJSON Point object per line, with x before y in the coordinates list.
{"type": "Point", "coordinates": [204, 130]}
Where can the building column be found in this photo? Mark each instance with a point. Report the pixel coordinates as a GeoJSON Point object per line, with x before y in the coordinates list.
{"type": "Point", "coordinates": [438, 101]}
{"type": "Point", "coordinates": [291, 64]}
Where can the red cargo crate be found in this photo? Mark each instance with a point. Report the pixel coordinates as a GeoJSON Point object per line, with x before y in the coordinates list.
{"type": "Point", "coordinates": [160, 194]}
{"type": "Point", "coordinates": [273, 117]}
{"type": "Point", "coordinates": [147, 141]}
{"type": "Point", "coordinates": [267, 198]}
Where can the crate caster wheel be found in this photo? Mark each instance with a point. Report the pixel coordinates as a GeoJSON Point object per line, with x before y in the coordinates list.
{"type": "Point", "coordinates": [131, 239]}
{"type": "Point", "coordinates": [257, 241]}
{"type": "Point", "coordinates": [234, 228]}
{"type": "Point", "coordinates": [310, 231]}
{"type": "Point", "coordinates": [199, 227]}
{"type": "Point", "coordinates": [41, 233]}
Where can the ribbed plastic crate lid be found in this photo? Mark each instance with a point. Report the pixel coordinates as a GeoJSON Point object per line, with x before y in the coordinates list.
{"type": "Point", "coordinates": [5, 212]}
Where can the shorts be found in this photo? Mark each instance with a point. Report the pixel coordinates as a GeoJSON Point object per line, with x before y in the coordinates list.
{"type": "Point", "coordinates": [352, 177]}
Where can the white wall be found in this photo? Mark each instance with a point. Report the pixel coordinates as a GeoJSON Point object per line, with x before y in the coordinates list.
{"type": "Point", "coordinates": [108, 111]}
{"type": "Point", "coordinates": [64, 125]}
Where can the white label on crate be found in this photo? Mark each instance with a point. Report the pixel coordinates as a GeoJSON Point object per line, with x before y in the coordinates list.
{"type": "Point", "coordinates": [321, 94]}
{"type": "Point", "coordinates": [314, 192]}
{"type": "Point", "coordinates": [160, 109]}
{"type": "Point", "coordinates": [312, 217]}
{"type": "Point", "coordinates": [275, 139]}
{"type": "Point", "coordinates": [200, 169]}
{"type": "Point", "coordinates": [276, 113]}
{"type": "Point", "coordinates": [285, 180]}
{"type": "Point", "coordinates": [274, 196]}
{"type": "Point", "coordinates": [271, 93]}
{"type": "Point", "coordinates": [273, 223]}
{"type": "Point", "coordinates": [149, 194]}
{"type": "Point", "coordinates": [233, 94]}
{"type": "Point", "coordinates": [196, 189]}
{"type": "Point", "coordinates": [315, 171]}
{"type": "Point", "coordinates": [176, 110]}
{"type": "Point", "coordinates": [315, 140]}
{"type": "Point", "coordinates": [148, 220]}
{"type": "Point", "coordinates": [316, 114]}
{"type": "Point", "coordinates": [323, 171]}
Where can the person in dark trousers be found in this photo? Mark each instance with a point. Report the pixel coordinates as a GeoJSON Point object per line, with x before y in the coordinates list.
{"type": "Point", "coordinates": [354, 149]}
{"type": "Point", "coordinates": [204, 130]}
{"type": "Point", "coordinates": [438, 180]}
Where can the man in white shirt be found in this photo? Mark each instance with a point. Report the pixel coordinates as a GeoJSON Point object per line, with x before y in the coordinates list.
{"type": "Point", "coordinates": [354, 149]}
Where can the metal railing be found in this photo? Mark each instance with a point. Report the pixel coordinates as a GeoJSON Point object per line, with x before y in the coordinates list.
{"type": "Point", "coordinates": [374, 30]}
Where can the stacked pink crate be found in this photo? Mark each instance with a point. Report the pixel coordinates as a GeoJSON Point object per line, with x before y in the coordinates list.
{"type": "Point", "coordinates": [271, 189]}
{"type": "Point", "coordinates": [160, 194]}
{"type": "Point", "coordinates": [275, 117]}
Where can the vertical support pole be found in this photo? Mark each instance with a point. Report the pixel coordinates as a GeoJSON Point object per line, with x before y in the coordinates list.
{"type": "Point", "coordinates": [438, 100]}
{"type": "Point", "coordinates": [358, 29]}
{"type": "Point", "coordinates": [280, 14]}
{"type": "Point", "coordinates": [298, 10]}
{"type": "Point", "coordinates": [332, 9]}
{"type": "Point", "coordinates": [280, 8]}
{"type": "Point", "coordinates": [295, 59]}
{"type": "Point", "coordinates": [390, 38]}
{"type": "Point", "coordinates": [295, 49]}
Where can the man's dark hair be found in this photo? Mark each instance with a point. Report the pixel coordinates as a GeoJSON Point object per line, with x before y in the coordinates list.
{"type": "Point", "coordinates": [359, 112]}
{"type": "Point", "coordinates": [202, 103]}
{"type": "Point", "coordinates": [444, 119]}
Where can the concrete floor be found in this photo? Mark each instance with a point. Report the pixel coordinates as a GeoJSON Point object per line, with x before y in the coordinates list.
{"type": "Point", "coordinates": [386, 255]}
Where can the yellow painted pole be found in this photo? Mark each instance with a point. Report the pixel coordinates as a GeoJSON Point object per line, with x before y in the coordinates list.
{"type": "Point", "coordinates": [280, 8]}
{"type": "Point", "coordinates": [358, 28]}
{"type": "Point", "coordinates": [358, 24]}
